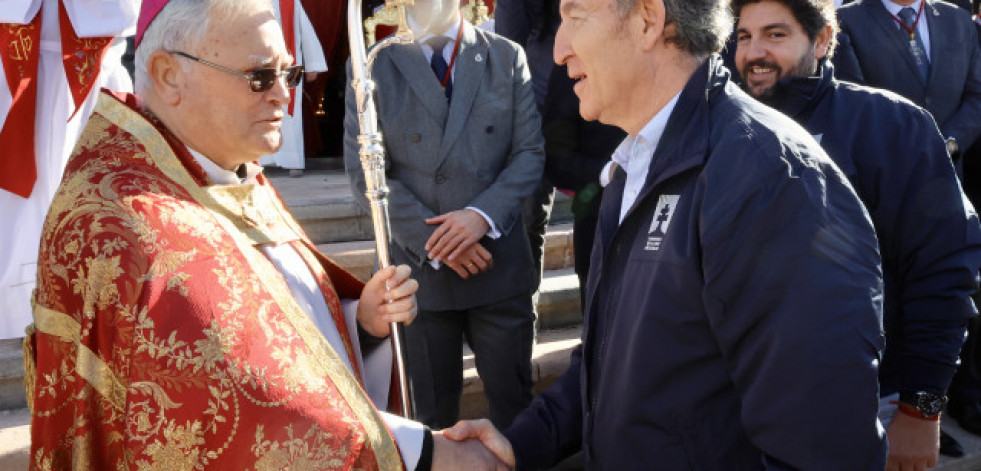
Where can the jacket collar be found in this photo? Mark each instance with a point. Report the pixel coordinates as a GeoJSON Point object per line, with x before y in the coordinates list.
{"type": "Point", "coordinates": [797, 96]}
{"type": "Point", "coordinates": [685, 141]}
{"type": "Point", "coordinates": [684, 144]}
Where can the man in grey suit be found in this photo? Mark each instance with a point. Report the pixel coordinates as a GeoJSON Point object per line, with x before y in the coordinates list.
{"type": "Point", "coordinates": [463, 148]}
{"type": "Point", "coordinates": [924, 50]}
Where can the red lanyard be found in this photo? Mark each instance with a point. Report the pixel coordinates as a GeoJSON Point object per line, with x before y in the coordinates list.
{"type": "Point", "coordinates": [910, 30]}
{"type": "Point", "coordinates": [456, 48]}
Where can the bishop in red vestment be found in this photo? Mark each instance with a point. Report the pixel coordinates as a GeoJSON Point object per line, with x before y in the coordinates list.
{"type": "Point", "coordinates": [170, 331]}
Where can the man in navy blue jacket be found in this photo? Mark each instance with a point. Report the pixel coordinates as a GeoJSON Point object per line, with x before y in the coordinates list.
{"type": "Point", "coordinates": [734, 296]}
{"type": "Point", "coordinates": [895, 157]}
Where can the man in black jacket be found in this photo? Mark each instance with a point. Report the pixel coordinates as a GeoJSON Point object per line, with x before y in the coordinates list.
{"type": "Point", "coordinates": [733, 299]}
{"type": "Point", "coordinates": [894, 155]}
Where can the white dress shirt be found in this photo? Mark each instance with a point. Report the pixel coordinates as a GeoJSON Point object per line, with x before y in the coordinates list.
{"type": "Point", "coordinates": [447, 50]}
{"type": "Point", "coordinates": [634, 154]}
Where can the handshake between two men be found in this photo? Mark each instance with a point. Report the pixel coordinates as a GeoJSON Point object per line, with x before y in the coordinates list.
{"type": "Point", "coordinates": [472, 445]}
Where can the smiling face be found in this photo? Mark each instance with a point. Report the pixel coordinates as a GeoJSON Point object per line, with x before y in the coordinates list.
{"type": "Point", "coordinates": [217, 113]}
{"type": "Point", "coordinates": [600, 55]}
{"type": "Point", "coordinates": [771, 45]}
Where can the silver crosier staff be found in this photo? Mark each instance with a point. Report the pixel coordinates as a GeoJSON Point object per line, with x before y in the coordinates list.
{"type": "Point", "coordinates": [372, 155]}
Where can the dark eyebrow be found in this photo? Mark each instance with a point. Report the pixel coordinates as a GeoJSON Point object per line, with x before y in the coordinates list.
{"type": "Point", "coordinates": [769, 27]}
{"type": "Point", "coordinates": [773, 26]}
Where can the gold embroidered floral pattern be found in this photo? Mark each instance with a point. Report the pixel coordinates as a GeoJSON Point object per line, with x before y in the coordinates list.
{"type": "Point", "coordinates": [180, 346]}
{"type": "Point", "coordinates": [310, 452]}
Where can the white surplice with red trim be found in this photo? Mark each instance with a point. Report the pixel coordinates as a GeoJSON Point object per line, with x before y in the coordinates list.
{"type": "Point", "coordinates": [54, 133]}
{"type": "Point", "coordinates": [310, 55]}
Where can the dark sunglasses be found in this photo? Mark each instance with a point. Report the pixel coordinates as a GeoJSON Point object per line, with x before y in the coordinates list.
{"type": "Point", "coordinates": [260, 80]}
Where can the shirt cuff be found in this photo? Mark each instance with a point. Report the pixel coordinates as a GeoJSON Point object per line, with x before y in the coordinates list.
{"type": "Point", "coordinates": [426, 460]}
{"type": "Point", "coordinates": [410, 437]}
{"type": "Point", "coordinates": [493, 233]}
{"type": "Point", "coordinates": [350, 308]}
{"type": "Point", "coordinates": [604, 177]}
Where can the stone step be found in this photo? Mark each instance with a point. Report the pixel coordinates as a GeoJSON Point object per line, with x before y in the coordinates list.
{"type": "Point", "coordinates": [558, 299]}
{"type": "Point", "coordinates": [322, 201]}
{"type": "Point", "coordinates": [358, 256]}
{"type": "Point", "coordinates": [11, 375]}
{"type": "Point", "coordinates": [550, 358]}
{"type": "Point", "coordinates": [558, 306]}
{"type": "Point", "coordinates": [558, 302]}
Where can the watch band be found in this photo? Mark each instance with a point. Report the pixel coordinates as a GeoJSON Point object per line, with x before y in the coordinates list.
{"type": "Point", "coordinates": [927, 404]}
{"type": "Point", "coordinates": [914, 412]}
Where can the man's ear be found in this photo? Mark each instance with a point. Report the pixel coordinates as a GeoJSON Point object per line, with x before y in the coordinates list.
{"type": "Point", "coordinates": [822, 43]}
{"type": "Point", "coordinates": [165, 75]}
{"type": "Point", "coordinates": [651, 15]}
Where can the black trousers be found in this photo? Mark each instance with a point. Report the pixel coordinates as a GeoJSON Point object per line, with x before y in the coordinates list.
{"type": "Point", "coordinates": [501, 336]}
{"type": "Point", "coordinates": [535, 212]}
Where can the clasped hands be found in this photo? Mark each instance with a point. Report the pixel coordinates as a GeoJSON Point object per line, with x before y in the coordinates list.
{"type": "Point", "coordinates": [472, 445]}
{"type": "Point", "coordinates": [455, 242]}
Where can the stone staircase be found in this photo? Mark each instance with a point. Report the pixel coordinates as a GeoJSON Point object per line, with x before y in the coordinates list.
{"type": "Point", "coordinates": [322, 201]}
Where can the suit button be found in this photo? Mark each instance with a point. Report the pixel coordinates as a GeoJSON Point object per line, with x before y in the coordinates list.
{"type": "Point", "coordinates": [416, 138]}
{"type": "Point", "coordinates": [490, 129]}
{"type": "Point", "coordinates": [928, 100]}
{"type": "Point", "coordinates": [440, 179]}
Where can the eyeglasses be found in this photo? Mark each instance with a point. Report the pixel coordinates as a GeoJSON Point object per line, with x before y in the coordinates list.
{"type": "Point", "coordinates": [260, 80]}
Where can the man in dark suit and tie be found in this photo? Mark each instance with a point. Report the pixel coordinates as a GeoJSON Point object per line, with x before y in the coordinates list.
{"type": "Point", "coordinates": [463, 149]}
{"type": "Point", "coordinates": [965, 4]}
{"type": "Point", "coordinates": [924, 50]}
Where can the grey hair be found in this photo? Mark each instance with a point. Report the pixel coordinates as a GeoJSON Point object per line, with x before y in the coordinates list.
{"type": "Point", "coordinates": [702, 25]}
{"type": "Point", "coordinates": [182, 24]}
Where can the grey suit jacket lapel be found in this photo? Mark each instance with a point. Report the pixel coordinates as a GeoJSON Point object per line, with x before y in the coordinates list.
{"type": "Point", "coordinates": [411, 62]}
{"type": "Point", "coordinates": [466, 80]}
{"type": "Point", "coordinates": [899, 39]}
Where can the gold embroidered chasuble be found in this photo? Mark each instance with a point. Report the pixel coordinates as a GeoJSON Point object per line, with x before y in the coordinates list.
{"type": "Point", "coordinates": [165, 339]}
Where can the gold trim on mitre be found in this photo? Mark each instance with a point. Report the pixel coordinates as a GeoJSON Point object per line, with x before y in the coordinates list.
{"type": "Point", "coordinates": [323, 360]}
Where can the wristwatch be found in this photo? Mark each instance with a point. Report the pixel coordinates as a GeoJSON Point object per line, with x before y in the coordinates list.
{"type": "Point", "coordinates": [927, 403]}
{"type": "Point", "coordinates": [952, 148]}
